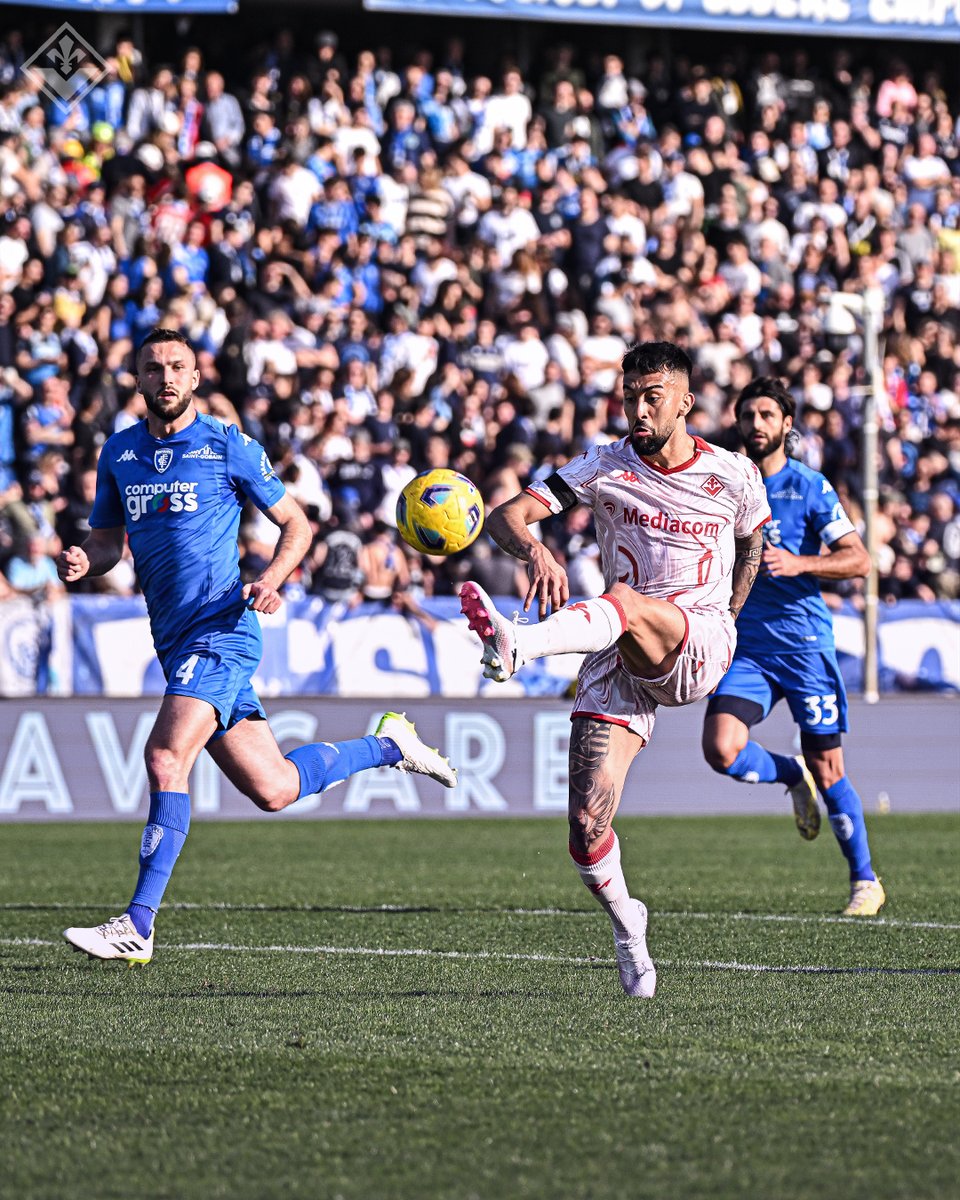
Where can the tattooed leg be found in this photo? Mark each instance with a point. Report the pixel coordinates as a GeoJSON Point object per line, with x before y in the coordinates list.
{"type": "Point", "coordinates": [600, 756]}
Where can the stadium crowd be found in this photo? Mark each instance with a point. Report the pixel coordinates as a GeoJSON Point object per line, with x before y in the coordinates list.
{"type": "Point", "coordinates": [387, 266]}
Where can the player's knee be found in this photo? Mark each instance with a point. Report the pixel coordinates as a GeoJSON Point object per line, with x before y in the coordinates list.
{"type": "Point", "coordinates": [164, 768]}
{"type": "Point", "coordinates": [720, 753]}
{"type": "Point", "coordinates": [635, 606]}
{"type": "Point", "coordinates": [270, 798]}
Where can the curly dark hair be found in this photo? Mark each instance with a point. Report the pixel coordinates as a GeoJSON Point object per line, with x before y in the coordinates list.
{"type": "Point", "coordinates": [773, 389]}
{"type": "Point", "coordinates": [646, 358]}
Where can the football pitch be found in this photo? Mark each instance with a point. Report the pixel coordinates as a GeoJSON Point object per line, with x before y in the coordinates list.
{"type": "Point", "coordinates": [394, 1010]}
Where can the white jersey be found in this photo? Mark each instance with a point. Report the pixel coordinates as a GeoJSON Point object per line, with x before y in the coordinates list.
{"type": "Point", "coordinates": [665, 533]}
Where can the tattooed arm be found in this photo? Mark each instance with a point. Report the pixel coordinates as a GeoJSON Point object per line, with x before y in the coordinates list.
{"type": "Point", "coordinates": [507, 525]}
{"type": "Point", "coordinates": [746, 564]}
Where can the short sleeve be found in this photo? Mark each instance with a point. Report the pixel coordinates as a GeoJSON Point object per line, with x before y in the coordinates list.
{"type": "Point", "coordinates": [108, 511]}
{"type": "Point", "coordinates": [251, 471]}
{"type": "Point", "coordinates": [825, 512]}
{"type": "Point", "coordinates": [754, 508]}
{"type": "Point", "coordinates": [569, 484]}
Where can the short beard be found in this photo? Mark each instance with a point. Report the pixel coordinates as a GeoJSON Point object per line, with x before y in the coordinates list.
{"type": "Point", "coordinates": [167, 410]}
{"type": "Point", "coordinates": [649, 443]}
{"type": "Point", "coordinates": [756, 454]}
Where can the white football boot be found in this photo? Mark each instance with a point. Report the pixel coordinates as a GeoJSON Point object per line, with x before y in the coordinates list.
{"type": "Point", "coordinates": [637, 972]}
{"type": "Point", "coordinates": [417, 755]}
{"type": "Point", "coordinates": [867, 897]}
{"type": "Point", "coordinates": [116, 938]}
{"type": "Point", "coordinates": [501, 658]}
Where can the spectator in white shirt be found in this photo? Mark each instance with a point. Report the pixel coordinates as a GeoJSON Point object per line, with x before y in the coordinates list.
{"type": "Point", "coordinates": [509, 109]}
{"type": "Point", "coordinates": [508, 227]}
{"type": "Point", "coordinates": [738, 272]}
{"type": "Point", "coordinates": [525, 356]}
{"type": "Point", "coordinates": [603, 351]}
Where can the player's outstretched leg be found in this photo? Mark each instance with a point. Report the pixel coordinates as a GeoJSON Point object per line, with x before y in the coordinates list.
{"type": "Point", "coordinates": [580, 628]}
{"type": "Point", "coordinates": [396, 743]}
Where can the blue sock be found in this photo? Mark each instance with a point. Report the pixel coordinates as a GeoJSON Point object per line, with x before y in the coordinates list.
{"type": "Point", "coordinates": [163, 837]}
{"type": "Point", "coordinates": [322, 764]}
{"type": "Point", "coordinates": [846, 821]}
{"type": "Point", "coordinates": [755, 765]}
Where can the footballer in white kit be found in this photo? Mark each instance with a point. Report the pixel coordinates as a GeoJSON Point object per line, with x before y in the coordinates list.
{"type": "Point", "coordinates": [669, 533]}
{"type": "Point", "coordinates": [678, 523]}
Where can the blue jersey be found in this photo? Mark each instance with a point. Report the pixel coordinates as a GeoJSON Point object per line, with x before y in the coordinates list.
{"type": "Point", "coordinates": [789, 615]}
{"type": "Point", "coordinates": [180, 499]}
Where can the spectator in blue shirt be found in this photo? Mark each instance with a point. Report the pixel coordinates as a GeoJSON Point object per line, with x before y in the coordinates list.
{"type": "Point", "coordinates": [404, 143]}
{"type": "Point", "coordinates": [264, 143]}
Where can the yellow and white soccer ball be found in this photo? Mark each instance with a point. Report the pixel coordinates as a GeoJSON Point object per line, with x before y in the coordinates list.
{"type": "Point", "coordinates": [439, 512]}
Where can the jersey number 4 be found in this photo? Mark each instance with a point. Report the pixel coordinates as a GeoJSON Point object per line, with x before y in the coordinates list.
{"type": "Point", "coordinates": [821, 710]}
{"type": "Point", "coordinates": [184, 673]}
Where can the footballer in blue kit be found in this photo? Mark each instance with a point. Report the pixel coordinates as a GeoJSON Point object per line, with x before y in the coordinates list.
{"type": "Point", "coordinates": [174, 486]}
{"type": "Point", "coordinates": [785, 646]}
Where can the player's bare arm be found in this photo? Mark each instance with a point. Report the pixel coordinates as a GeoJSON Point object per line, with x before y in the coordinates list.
{"type": "Point", "coordinates": [102, 549]}
{"type": "Point", "coordinates": [746, 564]}
{"type": "Point", "coordinates": [263, 594]}
{"type": "Point", "coordinates": [507, 525]}
{"type": "Point", "coordinates": [847, 559]}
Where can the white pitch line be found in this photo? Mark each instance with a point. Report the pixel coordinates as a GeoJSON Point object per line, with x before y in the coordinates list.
{"type": "Point", "coordinates": [776, 918]}
{"type": "Point", "coordinates": [502, 956]}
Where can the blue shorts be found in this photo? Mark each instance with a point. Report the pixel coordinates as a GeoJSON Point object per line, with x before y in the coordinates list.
{"type": "Point", "coordinates": [811, 684]}
{"type": "Point", "coordinates": [216, 665]}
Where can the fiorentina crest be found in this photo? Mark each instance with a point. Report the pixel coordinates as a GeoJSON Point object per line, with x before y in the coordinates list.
{"type": "Point", "coordinates": [162, 459]}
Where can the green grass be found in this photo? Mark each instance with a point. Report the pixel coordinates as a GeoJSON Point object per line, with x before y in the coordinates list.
{"type": "Point", "coordinates": [231, 1073]}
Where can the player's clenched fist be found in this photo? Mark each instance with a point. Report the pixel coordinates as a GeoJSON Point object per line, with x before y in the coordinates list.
{"type": "Point", "coordinates": [261, 597]}
{"type": "Point", "coordinates": [72, 564]}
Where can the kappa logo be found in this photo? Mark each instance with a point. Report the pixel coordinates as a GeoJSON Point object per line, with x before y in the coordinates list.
{"type": "Point", "coordinates": [205, 454]}
{"type": "Point", "coordinates": [712, 485]}
{"type": "Point", "coordinates": [162, 459]}
{"type": "Point", "coordinates": [581, 607]}
{"type": "Point", "coordinates": [127, 456]}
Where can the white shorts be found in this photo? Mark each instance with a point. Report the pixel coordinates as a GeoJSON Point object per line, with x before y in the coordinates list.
{"type": "Point", "coordinates": [607, 691]}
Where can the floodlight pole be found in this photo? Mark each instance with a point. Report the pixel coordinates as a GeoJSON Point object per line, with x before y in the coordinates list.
{"type": "Point", "coordinates": [871, 313]}
{"type": "Point", "coordinates": [869, 307]}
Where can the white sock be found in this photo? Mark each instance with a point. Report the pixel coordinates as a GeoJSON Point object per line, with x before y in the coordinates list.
{"type": "Point", "coordinates": [602, 874]}
{"type": "Point", "coordinates": [589, 625]}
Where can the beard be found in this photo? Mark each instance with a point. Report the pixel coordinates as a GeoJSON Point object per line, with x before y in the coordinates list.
{"type": "Point", "coordinates": [757, 452]}
{"type": "Point", "coordinates": [168, 408]}
{"type": "Point", "coordinates": [649, 443]}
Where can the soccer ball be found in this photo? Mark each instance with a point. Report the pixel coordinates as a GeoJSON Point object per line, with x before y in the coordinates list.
{"type": "Point", "coordinates": [439, 512]}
